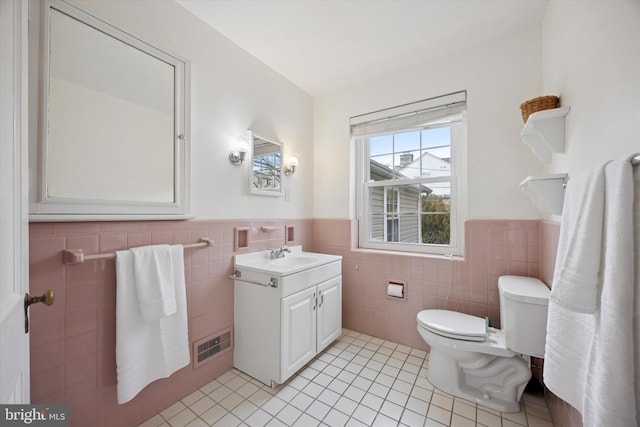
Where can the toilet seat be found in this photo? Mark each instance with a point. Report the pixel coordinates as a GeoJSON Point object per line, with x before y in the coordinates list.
{"type": "Point", "coordinates": [452, 324]}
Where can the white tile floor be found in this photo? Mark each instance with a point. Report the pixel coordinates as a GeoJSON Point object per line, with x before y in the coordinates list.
{"type": "Point", "coordinates": [357, 381]}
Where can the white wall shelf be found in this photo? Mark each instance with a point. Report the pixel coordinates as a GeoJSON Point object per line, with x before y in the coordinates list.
{"type": "Point", "coordinates": [544, 132]}
{"type": "Point", "coordinates": [546, 191]}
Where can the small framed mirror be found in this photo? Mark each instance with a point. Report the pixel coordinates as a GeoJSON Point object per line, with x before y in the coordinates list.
{"type": "Point", "coordinates": [265, 177]}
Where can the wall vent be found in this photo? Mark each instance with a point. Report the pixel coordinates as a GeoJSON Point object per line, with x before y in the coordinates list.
{"type": "Point", "coordinates": [211, 347]}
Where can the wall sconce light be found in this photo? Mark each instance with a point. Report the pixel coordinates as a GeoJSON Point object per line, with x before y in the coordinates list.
{"type": "Point", "coordinates": [237, 156]}
{"type": "Point", "coordinates": [291, 167]}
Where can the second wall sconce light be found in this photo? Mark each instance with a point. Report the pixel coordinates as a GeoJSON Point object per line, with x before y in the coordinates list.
{"type": "Point", "coordinates": [237, 156]}
{"type": "Point", "coordinates": [291, 167]}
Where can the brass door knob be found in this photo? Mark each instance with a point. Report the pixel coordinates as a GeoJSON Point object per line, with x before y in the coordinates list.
{"type": "Point", "coordinates": [47, 298]}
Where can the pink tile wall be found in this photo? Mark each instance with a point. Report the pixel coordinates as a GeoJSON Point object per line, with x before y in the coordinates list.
{"type": "Point", "coordinates": [73, 341]}
{"type": "Point", "coordinates": [493, 248]}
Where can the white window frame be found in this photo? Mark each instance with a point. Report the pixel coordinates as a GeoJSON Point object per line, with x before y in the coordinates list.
{"type": "Point", "coordinates": [457, 180]}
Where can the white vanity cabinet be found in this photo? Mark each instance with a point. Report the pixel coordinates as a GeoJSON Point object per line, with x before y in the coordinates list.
{"type": "Point", "coordinates": [311, 320]}
{"type": "Point", "coordinates": [329, 317]}
{"type": "Point", "coordinates": [285, 313]}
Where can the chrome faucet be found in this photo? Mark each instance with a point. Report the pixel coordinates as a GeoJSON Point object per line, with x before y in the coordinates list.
{"type": "Point", "coordinates": [278, 253]}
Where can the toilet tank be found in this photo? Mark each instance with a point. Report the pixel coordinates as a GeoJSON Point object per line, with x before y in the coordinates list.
{"type": "Point", "coordinates": [523, 313]}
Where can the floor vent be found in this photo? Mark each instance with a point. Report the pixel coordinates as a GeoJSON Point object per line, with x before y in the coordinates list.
{"type": "Point", "coordinates": [209, 348]}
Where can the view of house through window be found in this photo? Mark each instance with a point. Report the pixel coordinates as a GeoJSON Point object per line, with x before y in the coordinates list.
{"type": "Point", "coordinates": [412, 213]}
{"type": "Point", "coordinates": [410, 171]}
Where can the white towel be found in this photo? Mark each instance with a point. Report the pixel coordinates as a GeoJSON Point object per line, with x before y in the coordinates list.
{"type": "Point", "coordinates": [610, 393]}
{"type": "Point", "coordinates": [147, 351]}
{"type": "Point", "coordinates": [589, 357]}
{"type": "Point", "coordinates": [575, 280]}
{"type": "Point", "coordinates": [153, 272]}
{"type": "Point", "coordinates": [573, 297]}
{"type": "Point", "coordinates": [566, 353]}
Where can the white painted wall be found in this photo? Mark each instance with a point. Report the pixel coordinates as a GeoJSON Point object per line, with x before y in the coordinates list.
{"type": "Point", "coordinates": [592, 61]}
{"type": "Point", "coordinates": [498, 77]}
{"type": "Point", "coordinates": [231, 91]}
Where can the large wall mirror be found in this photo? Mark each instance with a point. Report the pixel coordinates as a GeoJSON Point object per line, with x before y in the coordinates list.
{"type": "Point", "coordinates": [113, 122]}
{"type": "Point", "coordinates": [265, 177]}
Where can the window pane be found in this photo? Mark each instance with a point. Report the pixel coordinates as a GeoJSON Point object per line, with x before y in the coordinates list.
{"type": "Point", "coordinates": [381, 144]}
{"type": "Point", "coordinates": [376, 214]}
{"type": "Point", "coordinates": [406, 141]}
{"type": "Point", "coordinates": [436, 229]}
{"type": "Point", "coordinates": [406, 159]}
{"type": "Point", "coordinates": [436, 152]}
{"type": "Point", "coordinates": [409, 228]}
{"type": "Point", "coordinates": [436, 219]}
{"type": "Point", "coordinates": [440, 189]}
{"type": "Point", "coordinates": [381, 155]}
{"type": "Point", "coordinates": [377, 227]}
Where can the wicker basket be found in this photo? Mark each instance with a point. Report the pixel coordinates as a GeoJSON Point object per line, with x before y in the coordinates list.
{"type": "Point", "coordinates": [538, 104]}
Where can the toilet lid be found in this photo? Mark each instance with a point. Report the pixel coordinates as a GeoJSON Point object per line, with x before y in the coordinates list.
{"type": "Point", "coordinates": [453, 324]}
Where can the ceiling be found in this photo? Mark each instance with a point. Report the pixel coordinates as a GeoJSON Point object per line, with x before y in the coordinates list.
{"type": "Point", "coordinates": [325, 45]}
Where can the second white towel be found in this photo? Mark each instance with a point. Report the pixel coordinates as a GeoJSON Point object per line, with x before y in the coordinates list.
{"type": "Point", "coordinates": [575, 283]}
{"type": "Point", "coordinates": [153, 272]}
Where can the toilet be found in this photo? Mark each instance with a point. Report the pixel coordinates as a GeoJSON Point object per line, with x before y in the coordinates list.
{"type": "Point", "coordinates": [489, 366]}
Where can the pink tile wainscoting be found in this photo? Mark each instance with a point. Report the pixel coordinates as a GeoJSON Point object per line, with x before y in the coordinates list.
{"type": "Point", "coordinates": [73, 341]}
{"type": "Point", "coordinates": [469, 284]}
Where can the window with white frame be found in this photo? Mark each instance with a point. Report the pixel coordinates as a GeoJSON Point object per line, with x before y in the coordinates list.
{"type": "Point", "coordinates": [411, 173]}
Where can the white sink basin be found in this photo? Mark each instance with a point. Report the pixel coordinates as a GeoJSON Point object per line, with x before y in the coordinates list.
{"type": "Point", "coordinates": [292, 262]}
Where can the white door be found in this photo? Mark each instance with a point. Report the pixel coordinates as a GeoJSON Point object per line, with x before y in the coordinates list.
{"type": "Point", "coordinates": [329, 312]}
{"type": "Point", "coordinates": [14, 342]}
{"type": "Point", "coordinates": [298, 344]}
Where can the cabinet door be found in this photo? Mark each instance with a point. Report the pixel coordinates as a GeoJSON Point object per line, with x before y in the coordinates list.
{"type": "Point", "coordinates": [329, 312]}
{"type": "Point", "coordinates": [298, 331]}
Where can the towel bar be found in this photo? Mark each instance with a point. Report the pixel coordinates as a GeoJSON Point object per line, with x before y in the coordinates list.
{"type": "Point", "coordinates": [272, 283]}
{"type": "Point", "coordinates": [269, 229]}
{"type": "Point", "coordinates": [76, 256]}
